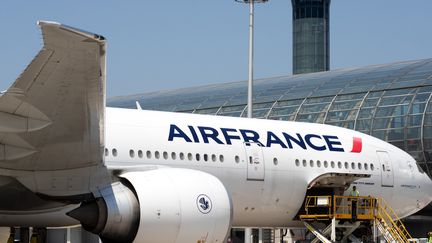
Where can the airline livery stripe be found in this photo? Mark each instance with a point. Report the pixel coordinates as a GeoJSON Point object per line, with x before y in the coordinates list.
{"type": "Point", "coordinates": [357, 145]}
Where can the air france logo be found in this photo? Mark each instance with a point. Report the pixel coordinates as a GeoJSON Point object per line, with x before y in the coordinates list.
{"type": "Point", "coordinates": [226, 136]}
{"type": "Point", "coordinates": [204, 204]}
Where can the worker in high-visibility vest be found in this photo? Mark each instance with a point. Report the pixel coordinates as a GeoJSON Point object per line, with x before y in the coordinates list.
{"type": "Point", "coordinates": [353, 198]}
{"type": "Point", "coordinates": [430, 237]}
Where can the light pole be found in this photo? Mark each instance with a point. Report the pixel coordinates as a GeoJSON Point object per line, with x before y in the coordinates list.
{"type": "Point", "coordinates": [251, 49]}
{"type": "Point", "coordinates": [248, 231]}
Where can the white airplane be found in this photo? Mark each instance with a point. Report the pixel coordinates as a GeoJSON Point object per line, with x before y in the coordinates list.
{"type": "Point", "coordinates": [146, 176]}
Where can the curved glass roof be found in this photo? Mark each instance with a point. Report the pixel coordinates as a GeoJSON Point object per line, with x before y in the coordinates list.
{"type": "Point", "coordinates": [390, 101]}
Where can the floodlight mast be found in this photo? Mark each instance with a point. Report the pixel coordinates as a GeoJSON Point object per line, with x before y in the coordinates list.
{"type": "Point", "coordinates": [251, 49]}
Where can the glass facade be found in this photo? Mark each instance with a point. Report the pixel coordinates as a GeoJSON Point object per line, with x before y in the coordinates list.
{"type": "Point", "coordinates": [392, 102]}
{"type": "Point", "coordinates": [311, 35]}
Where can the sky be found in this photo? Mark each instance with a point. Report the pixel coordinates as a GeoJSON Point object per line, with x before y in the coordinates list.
{"type": "Point", "coordinates": [158, 45]}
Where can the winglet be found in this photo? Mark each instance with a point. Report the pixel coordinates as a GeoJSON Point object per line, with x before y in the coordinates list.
{"type": "Point", "coordinates": [45, 22]}
{"type": "Point", "coordinates": [52, 24]}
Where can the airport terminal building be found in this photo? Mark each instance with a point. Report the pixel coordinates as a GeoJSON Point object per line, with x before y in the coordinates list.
{"type": "Point", "coordinates": [392, 102]}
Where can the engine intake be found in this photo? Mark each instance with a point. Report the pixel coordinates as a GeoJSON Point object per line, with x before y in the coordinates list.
{"type": "Point", "coordinates": [163, 205]}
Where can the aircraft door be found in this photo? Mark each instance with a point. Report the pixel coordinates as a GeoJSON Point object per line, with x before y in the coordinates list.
{"type": "Point", "coordinates": [386, 169]}
{"type": "Point", "coordinates": [255, 161]}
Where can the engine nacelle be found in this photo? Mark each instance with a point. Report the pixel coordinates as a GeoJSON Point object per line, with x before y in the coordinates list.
{"type": "Point", "coordinates": [163, 205]}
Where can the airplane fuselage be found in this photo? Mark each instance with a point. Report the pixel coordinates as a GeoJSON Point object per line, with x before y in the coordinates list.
{"type": "Point", "coordinates": [266, 165]}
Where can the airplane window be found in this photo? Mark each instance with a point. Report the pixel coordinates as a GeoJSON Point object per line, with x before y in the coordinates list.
{"type": "Point", "coordinates": [114, 152]}
{"type": "Point", "coordinates": [140, 153]}
{"type": "Point", "coordinates": [189, 156]}
{"type": "Point", "coordinates": [353, 165]}
{"type": "Point", "coordinates": [157, 155]}
{"type": "Point", "coordinates": [319, 163]}
{"type": "Point", "coordinates": [311, 162]}
{"type": "Point", "coordinates": [197, 156]}
{"type": "Point", "coordinates": [297, 162]}
{"type": "Point", "coordinates": [304, 163]}
{"type": "Point", "coordinates": [346, 165]}
{"type": "Point", "coordinates": [275, 161]}
{"type": "Point", "coordinates": [359, 165]}
{"type": "Point", "coordinates": [148, 153]}
{"type": "Point", "coordinates": [237, 159]}
{"type": "Point", "coordinates": [340, 165]}
{"type": "Point", "coordinates": [213, 158]}
{"type": "Point", "coordinates": [165, 155]}
{"type": "Point", "coordinates": [181, 156]}
{"type": "Point", "coordinates": [372, 167]}
{"type": "Point", "coordinates": [131, 153]}
{"type": "Point", "coordinates": [325, 163]}
{"type": "Point", "coordinates": [106, 152]}
{"type": "Point", "coordinates": [419, 168]}
{"type": "Point", "coordinates": [205, 157]}
{"type": "Point", "coordinates": [221, 158]}
{"type": "Point", "coordinates": [366, 166]}
{"type": "Point", "coordinates": [332, 164]}
{"type": "Point", "coordinates": [173, 155]}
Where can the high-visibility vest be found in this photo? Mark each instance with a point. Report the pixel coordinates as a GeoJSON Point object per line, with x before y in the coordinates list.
{"type": "Point", "coordinates": [354, 193]}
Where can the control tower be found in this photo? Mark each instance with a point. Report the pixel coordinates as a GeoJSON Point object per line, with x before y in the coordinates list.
{"type": "Point", "coordinates": [311, 44]}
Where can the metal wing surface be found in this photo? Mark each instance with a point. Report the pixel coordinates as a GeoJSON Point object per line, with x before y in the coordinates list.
{"type": "Point", "coordinates": [52, 117]}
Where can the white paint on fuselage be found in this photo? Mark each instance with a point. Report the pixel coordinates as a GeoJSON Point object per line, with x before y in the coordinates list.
{"type": "Point", "coordinates": [275, 200]}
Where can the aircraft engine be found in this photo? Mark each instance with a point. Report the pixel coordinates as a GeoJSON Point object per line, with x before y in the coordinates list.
{"type": "Point", "coordinates": [163, 205]}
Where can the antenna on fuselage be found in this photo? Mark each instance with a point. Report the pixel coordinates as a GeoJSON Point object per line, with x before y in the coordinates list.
{"type": "Point", "coordinates": [138, 106]}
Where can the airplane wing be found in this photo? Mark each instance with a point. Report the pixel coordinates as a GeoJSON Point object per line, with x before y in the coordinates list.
{"type": "Point", "coordinates": [52, 117]}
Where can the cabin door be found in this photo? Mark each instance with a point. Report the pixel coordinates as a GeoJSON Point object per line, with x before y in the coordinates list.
{"type": "Point", "coordinates": [255, 161]}
{"type": "Point", "coordinates": [386, 169]}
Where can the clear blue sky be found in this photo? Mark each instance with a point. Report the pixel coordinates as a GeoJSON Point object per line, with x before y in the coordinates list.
{"type": "Point", "coordinates": [154, 45]}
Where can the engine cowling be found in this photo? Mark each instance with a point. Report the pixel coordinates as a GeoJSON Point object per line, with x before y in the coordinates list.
{"type": "Point", "coordinates": [163, 205]}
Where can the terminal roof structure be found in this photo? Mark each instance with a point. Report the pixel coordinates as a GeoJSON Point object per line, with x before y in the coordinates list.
{"type": "Point", "coordinates": [390, 101]}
